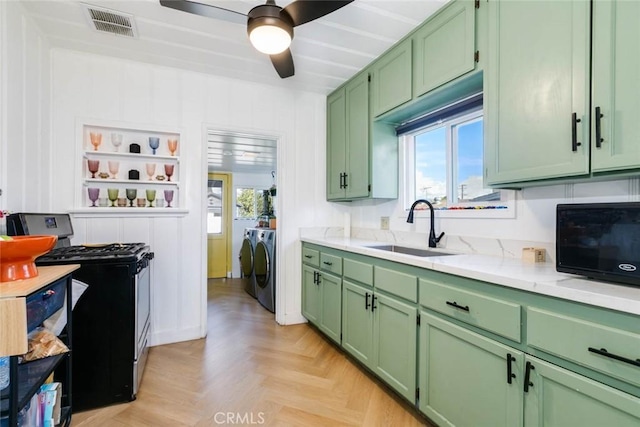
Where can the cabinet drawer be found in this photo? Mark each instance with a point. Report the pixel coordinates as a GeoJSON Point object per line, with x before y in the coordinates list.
{"type": "Point", "coordinates": [494, 315]}
{"type": "Point", "coordinates": [571, 338]}
{"type": "Point", "coordinates": [396, 283]}
{"type": "Point", "coordinates": [311, 257]}
{"type": "Point", "coordinates": [331, 263]}
{"type": "Point", "coordinates": [359, 271]}
{"type": "Point", "coordinates": [42, 304]}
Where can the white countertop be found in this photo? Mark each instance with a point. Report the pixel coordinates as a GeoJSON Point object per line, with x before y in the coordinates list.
{"type": "Point", "coordinates": [540, 278]}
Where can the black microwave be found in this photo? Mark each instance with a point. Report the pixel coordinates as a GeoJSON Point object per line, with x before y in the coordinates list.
{"type": "Point", "coordinates": [599, 240]}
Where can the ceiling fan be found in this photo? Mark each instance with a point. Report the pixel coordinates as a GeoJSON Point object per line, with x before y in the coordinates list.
{"type": "Point", "coordinates": [269, 26]}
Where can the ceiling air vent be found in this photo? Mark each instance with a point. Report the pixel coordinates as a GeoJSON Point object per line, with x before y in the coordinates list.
{"type": "Point", "coordinates": [110, 21]}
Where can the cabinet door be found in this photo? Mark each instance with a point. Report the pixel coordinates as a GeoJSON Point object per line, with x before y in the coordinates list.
{"type": "Point", "coordinates": [310, 295]}
{"type": "Point", "coordinates": [336, 143]}
{"type": "Point", "coordinates": [395, 344]}
{"type": "Point", "coordinates": [357, 321]}
{"type": "Point", "coordinates": [444, 47]}
{"type": "Point", "coordinates": [463, 377]}
{"type": "Point", "coordinates": [535, 81]}
{"type": "Point", "coordinates": [391, 80]}
{"type": "Point", "coordinates": [559, 398]}
{"type": "Point", "coordinates": [357, 94]}
{"type": "Point", "coordinates": [331, 305]}
{"type": "Point", "coordinates": [616, 67]}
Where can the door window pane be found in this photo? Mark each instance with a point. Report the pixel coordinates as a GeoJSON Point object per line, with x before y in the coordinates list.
{"type": "Point", "coordinates": [214, 206]}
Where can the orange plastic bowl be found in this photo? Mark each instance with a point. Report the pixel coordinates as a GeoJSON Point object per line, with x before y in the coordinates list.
{"type": "Point", "coordinates": [17, 256]}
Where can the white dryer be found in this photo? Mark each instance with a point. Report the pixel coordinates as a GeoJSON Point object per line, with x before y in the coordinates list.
{"type": "Point", "coordinates": [265, 269]}
{"type": "Point", "coordinates": [246, 257]}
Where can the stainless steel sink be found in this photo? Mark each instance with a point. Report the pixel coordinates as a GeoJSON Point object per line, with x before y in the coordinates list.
{"type": "Point", "coordinates": [409, 251]}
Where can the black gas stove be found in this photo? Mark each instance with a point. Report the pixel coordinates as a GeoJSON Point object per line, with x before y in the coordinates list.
{"type": "Point", "coordinates": [86, 253]}
{"type": "Point", "coordinates": [111, 320]}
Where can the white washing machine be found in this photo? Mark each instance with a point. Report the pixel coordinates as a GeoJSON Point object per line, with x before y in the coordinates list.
{"type": "Point", "coordinates": [246, 257]}
{"type": "Point", "coordinates": [265, 269]}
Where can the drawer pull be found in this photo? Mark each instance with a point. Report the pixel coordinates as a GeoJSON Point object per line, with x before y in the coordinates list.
{"type": "Point", "coordinates": [327, 263]}
{"type": "Point", "coordinates": [510, 374]}
{"type": "Point", "coordinates": [458, 306]}
{"type": "Point", "coordinates": [605, 353]}
{"type": "Point", "coordinates": [527, 376]}
{"type": "Point", "coordinates": [366, 301]}
{"type": "Point", "coordinates": [48, 294]}
{"type": "Point", "coordinates": [308, 256]}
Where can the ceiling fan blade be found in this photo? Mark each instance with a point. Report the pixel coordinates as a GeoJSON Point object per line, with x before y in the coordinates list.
{"type": "Point", "coordinates": [206, 10]}
{"type": "Point", "coordinates": [283, 63]}
{"type": "Point", "coordinates": [303, 11]}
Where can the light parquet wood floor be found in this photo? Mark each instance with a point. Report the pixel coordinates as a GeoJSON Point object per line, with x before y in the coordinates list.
{"type": "Point", "coordinates": [252, 371]}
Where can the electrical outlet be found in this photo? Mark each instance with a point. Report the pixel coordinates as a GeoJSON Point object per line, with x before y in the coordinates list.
{"type": "Point", "coordinates": [384, 223]}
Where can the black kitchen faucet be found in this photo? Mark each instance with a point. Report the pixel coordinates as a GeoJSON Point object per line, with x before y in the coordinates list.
{"type": "Point", "coordinates": [433, 240]}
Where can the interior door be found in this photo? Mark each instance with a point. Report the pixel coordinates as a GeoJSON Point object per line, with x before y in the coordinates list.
{"type": "Point", "coordinates": [218, 225]}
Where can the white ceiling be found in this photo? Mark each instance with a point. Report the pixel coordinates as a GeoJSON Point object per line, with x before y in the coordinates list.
{"type": "Point", "coordinates": [326, 52]}
{"type": "Point", "coordinates": [240, 153]}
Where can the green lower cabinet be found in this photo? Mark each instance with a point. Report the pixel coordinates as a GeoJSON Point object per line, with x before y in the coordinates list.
{"type": "Point", "coordinates": [357, 322]}
{"type": "Point", "coordinates": [395, 344]}
{"type": "Point", "coordinates": [331, 305]}
{"type": "Point", "coordinates": [322, 301]}
{"type": "Point", "coordinates": [557, 397]}
{"type": "Point", "coordinates": [310, 295]}
{"type": "Point", "coordinates": [463, 377]}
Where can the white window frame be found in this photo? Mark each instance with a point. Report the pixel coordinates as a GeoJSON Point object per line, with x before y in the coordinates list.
{"type": "Point", "coordinates": [407, 168]}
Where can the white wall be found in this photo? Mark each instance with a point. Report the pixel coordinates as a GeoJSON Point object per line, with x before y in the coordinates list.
{"type": "Point", "coordinates": [39, 161]}
{"type": "Point", "coordinates": [25, 146]}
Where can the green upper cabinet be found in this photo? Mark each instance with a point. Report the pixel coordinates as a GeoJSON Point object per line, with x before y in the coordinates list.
{"type": "Point", "coordinates": [537, 91]}
{"type": "Point", "coordinates": [391, 79]}
{"type": "Point", "coordinates": [616, 67]}
{"type": "Point", "coordinates": [443, 48]}
{"type": "Point", "coordinates": [557, 397]}
{"type": "Point", "coordinates": [348, 141]}
{"type": "Point", "coordinates": [336, 143]}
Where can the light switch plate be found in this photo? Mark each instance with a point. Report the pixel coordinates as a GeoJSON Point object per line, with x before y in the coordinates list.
{"type": "Point", "coordinates": [384, 223]}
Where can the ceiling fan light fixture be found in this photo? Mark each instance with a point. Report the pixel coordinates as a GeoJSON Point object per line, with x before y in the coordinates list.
{"type": "Point", "coordinates": [270, 35]}
{"type": "Point", "coordinates": [270, 39]}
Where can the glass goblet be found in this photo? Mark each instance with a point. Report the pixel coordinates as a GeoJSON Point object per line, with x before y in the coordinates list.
{"type": "Point", "coordinates": [96, 140]}
{"type": "Point", "coordinates": [113, 169]}
{"type": "Point", "coordinates": [94, 167]}
{"type": "Point", "coordinates": [116, 140]}
{"type": "Point", "coordinates": [173, 146]}
{"type": "Point", "coordinates": [113, 196]}
{"type": "Point", "coordinates": [94, 194]}
{"type": "Point", "coordinates": [151, 169]}
{"type": "Point", "coordinates": [154, 143]}
{"type": "Point", "coordinates": [168, 196]}
{"type": "Point", "coordinates": [168, 170]}
{"type": "Point", "coordinates": [151, 196]}
{"type": "Point", "coordinates": [131, 195]}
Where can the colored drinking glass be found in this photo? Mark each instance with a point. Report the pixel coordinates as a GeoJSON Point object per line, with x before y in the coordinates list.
{"type": "Point", "coordinates": [168, 196]}
{"type": "Point", "coordinates": [151, 196]}
{"type": "Point", "coordinates": [151, 169]}
{"type": "Point", "coordinates": [168, 170]}
{"type": "Point", "coordinates": [116, 140]}
{"type": "Point", "coordinates": [113, 196]}
{"type": "Point", "coordinates": [113, 169]}
{"type": "Point", "coordinates": [154, 143]}
{"type": "Point", "coordinates": [94, 193]}
{"type": "Point", "coordinates": [96, 140]}
{"type": "Point", "coordinates": [173, 146]}
{"type": "Point", "coordinates": [94, 167]}
{"type": "Point", "coordinates": [131, 195]}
